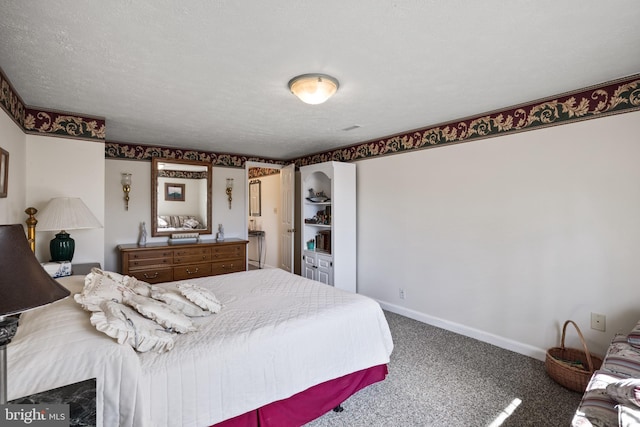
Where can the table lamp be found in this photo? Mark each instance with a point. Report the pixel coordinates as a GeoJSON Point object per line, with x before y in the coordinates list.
{"type": "Point", "coordinates": [65, 213]}
{"type": "Point", "coordinates": [24, 285]}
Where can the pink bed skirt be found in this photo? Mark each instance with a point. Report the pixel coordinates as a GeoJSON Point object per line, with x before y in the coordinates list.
{"type": "Point", "coordinates": [308, 405]}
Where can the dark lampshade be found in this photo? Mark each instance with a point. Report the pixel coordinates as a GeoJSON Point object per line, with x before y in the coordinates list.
{"type": "Point", "coordinates": [24, 285]}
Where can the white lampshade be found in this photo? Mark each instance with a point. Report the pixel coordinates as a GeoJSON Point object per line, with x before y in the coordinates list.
{"type": "Point", "coordinates": [313, 88]}
{"type": "Point", "coordinates": [66, 213]}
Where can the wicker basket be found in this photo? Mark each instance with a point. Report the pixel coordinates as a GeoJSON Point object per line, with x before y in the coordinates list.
{"type": "Point", "coordinates": [570, 367]}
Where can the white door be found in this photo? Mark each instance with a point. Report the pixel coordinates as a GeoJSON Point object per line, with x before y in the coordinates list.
{"type": "Point", "coordinates": [287, 231]}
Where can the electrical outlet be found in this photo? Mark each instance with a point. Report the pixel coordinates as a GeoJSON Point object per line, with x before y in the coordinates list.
{"type": "Point", "coordinates": [598, 322]}
{"type": "Point", "coordinates": [401, 293]}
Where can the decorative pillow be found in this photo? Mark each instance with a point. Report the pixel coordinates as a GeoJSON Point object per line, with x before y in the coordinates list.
{"type": "Point", "coordinates": [102, 285]}
{"type": "Point", "coordinates": [200, 296]}
{"type": "Point", "coordinates": [128, 327]}
{"type": "Point", "coordinates": [622, 358]}
{"type": "Point", "coordinates": [110, 274]}
{"type": "Point", "coordinates": [626, 392]}
{"type": "Point", "coordinates": [137, 286]}
{"type": "Point", "coordinates": [99, 288]}
{"type": "Point", "coordinates": [628, 416]}
{"type": "Point", "coordinates": [178, 301]}
{"type": "Point", "coordinates": [191, 223]}
{"type": "Point", "coordinates": [634, 336]}
{"type": "Point", "coordinates": [162, 223]}
{"type": "Point", "coordinates": [162, 313]}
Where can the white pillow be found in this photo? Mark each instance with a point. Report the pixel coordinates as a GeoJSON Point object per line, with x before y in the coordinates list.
{"type": "Point", "coordinates": [110, 274]}
{"type": "Point", "coordinates": [628, 416]}
{"type": "Point", "coordinates": [178, 301]}
{"type": "Point", "coordinates": [162, 313]}
{"type": "Point", "coordinates": [190, 223]}
{"type": "Point", "coordinates": [108, 286]}
{"type": "Point", "coordinates": [200, 296]}
{"type": "Point", "coordinates": [128, 327]}
{"type": "Point", "coordinates": [137, 286]}
{"type": "Point", "coordinates": [98, 288]}
{"type": "Point", "coordinates": [625, 391]}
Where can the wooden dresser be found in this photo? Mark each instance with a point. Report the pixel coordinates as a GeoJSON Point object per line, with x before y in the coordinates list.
{"type": "Point", "coordinates": [162, 262]}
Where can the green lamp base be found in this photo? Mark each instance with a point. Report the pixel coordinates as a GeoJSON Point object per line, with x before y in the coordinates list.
{"type": "Point", "coordinates": [62, 247]}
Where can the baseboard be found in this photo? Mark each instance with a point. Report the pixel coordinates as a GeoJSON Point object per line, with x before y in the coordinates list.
{"type": "Point", "coordinates": [483, 336]}
{"type": "Point", "coordinates": [255, 264]}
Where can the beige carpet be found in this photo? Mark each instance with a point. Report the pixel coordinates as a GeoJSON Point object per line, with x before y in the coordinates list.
{"type": "Point", "coordinates": [439, 378]}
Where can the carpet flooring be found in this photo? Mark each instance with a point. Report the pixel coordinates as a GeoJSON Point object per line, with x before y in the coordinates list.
{"type": "Point", "coordinates": [439, 378]}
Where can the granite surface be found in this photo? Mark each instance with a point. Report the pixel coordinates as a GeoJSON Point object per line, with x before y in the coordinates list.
{"type": "Point", "coordinates": [80, 396]}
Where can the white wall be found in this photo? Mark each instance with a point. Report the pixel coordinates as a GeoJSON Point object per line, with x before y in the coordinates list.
{"type": "Point", "coordinates": [12, 139]}
{"type": "Point", "coordinates": [502, 239]}
{"type": "Point", "coordinates": [506, 238]}
{"type": "Point", "coordinates": [61, 167]}
{"type": "Point", "coordinates": [123, 226]}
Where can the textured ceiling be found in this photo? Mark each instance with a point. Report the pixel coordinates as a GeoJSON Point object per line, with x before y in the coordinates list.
{"type": "Point", "coordinates": [212, 75]}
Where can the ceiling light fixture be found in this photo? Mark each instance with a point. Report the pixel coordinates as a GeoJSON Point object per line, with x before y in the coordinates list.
{"type": "Point", "coordinates": [313, 88]}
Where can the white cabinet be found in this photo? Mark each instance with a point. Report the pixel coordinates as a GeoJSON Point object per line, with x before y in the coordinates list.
{"type": "Point", "coordinates": [329, 223]}
{"type": "Point", "coordinates": [318, 266]}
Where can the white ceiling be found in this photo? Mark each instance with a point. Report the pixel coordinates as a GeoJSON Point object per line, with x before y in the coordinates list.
{"type": "Point", "coordinates": [212, 74]}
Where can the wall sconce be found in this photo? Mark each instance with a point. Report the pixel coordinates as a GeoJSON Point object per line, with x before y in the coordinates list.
{"type": "Point", "coordinates": [229, 189]}
{"type": "Point", "coordinates": [126, 187]}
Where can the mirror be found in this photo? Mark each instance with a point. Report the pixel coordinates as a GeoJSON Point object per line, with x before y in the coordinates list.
{"type": "Point", "coordinates": [180, 197]}
{"type": "Point", "coordinates": [255, 202]}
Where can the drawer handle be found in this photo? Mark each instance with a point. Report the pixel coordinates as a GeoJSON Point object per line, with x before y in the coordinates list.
{"type": "Point", "coordinates": [193, 272]}
{"type": "Point", "coordinates": [151, 277]}
{"type": "Point", "coordinates": [227, 266]}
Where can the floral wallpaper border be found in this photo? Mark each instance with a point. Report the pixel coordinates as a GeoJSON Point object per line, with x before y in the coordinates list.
{"type": "Point", "coordinates": [40, 121]}
{"type": "Point", "coordinates": [615, 97]}
{"type": "Point", "coordinates": [619, 96]}
{"type": "Point", "coordinates": [164, 173]}
{"type": "Point", "coordinates": [260, 172]}
{"type": "Point", "coordinates": [117, 150]}
{"type": "Point", "coordinates": [610, 98]}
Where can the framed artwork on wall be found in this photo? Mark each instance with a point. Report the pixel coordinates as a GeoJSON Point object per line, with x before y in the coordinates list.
{"type": "Point", "coordinates": [174, 192]}
{"type": "Point", "coordinates": [4, 172]}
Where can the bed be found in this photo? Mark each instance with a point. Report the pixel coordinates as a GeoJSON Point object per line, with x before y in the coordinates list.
{"type": "Point", "coordinates": [282, 351]}
{"type": "Point", "coordinates": [179, 223]}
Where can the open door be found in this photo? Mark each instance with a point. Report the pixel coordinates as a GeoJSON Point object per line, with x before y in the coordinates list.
{"type": "Point", "coordinates": [287, 218]}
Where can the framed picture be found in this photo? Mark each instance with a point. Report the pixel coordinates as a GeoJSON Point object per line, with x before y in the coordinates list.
{"type": "Point", "coordinates": [254, 198]}
{"type": "Point", "coordinates": [4, 172]}
{"type": "Point", "coordinates": [174, 192]}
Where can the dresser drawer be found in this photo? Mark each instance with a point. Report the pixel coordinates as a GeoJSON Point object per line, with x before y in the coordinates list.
{"type": "Point", "coordinates": [158, 262]}
{"type": "Point", "coordinates": [154, 275]}
{"type": "Point", "coordinates": [227, 252]}
{"type": "Point", "coordinates": [135, 264]}
{"type": "Point", "coordinates": [229, 266]}
{"type": "Point", "coordinates": [192, 270]}
{"type": "Point", "coordinates": [191, 256]}
{"type": "Point", "coordinates": [146, 254]}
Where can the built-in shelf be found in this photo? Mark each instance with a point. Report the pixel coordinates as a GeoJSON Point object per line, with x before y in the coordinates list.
{"type": "Point", "coordinates": [329, 253]}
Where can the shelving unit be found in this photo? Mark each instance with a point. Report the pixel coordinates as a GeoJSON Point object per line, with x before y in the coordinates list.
{"type": "Point", "coordinates": [329, 226]}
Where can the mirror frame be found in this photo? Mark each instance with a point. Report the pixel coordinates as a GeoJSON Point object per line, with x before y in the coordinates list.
{"type": "Point", "coordinates": [255, 193]}
{"type": "Point", "coordinates": [155, 189]}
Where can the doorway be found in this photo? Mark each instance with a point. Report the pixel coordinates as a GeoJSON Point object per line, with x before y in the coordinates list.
{"type": "Point", "coordinates": [271, 233]}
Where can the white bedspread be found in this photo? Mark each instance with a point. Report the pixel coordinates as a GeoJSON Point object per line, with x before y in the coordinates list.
{"type": "Point", "coordinates": [277, 334]}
